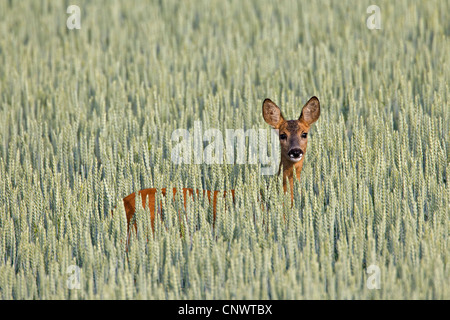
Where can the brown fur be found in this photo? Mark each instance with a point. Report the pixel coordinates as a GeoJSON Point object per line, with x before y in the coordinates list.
{"type": "Point", "coordinates": [148, 196]}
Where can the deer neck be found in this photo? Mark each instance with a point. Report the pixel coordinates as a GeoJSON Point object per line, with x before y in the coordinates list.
{"type": "Point", "coordinates": [288, 173]}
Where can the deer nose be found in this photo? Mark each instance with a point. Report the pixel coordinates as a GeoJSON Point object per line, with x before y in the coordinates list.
{"type": "Point", "coordinates": [295, 153]}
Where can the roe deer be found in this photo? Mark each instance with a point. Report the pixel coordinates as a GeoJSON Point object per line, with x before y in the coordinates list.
{"type": "Point", "coordinates": [293, 135]}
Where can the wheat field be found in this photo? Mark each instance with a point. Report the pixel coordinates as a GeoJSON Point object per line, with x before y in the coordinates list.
{"type": "Point", "coordinates": [86, 118]}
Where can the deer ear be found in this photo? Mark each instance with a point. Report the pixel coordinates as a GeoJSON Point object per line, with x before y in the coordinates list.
{"type": "Point", "coordinates": [310, 112]}
{"type": "Point", "coordinates": [271, 113]}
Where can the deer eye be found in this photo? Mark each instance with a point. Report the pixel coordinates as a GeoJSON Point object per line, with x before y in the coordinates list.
{"type": "Point", "coordinates": [304, 135]}
{"type": "Point", "coordinates": [283, 136]}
